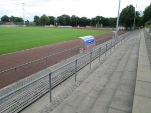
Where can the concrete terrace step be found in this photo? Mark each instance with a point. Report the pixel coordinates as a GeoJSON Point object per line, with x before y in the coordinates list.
{"type": "Point", "coordinates": [110, 88]}
{"type": "Point", "coordinates": [123, 99]}
{"type": "Point", "coordinates": [142, 98]}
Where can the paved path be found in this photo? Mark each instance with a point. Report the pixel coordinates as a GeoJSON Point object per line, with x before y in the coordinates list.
{"type": "Point", "coordinates": [148, 44]}
{"type": "Point", "coordinates": [121, 83]}
{"type": "Point", "coordinates": [110, 88]}
{"type": "Point", "coordinates": [142, 98]}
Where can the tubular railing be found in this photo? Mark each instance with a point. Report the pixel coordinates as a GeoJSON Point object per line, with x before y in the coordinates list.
{"type": "Point", "coordinates": [17, 98]}
{"type": "Point", "coordinates": [19, 72]}
{"type": "Point", "coordinates": [58, 75]}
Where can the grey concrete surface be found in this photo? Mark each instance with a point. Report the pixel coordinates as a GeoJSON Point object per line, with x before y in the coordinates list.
{"type": "Point", "coordinates": [141, 104]}
{"type": "Point", "coordinates": [142, 98]}
{"type": "Point", "coordinates": [120, 83]}
{"type": "Point", "coordinates": [64, 89]}
{"type": "Point", "coordinates": [110, 87]}
{"type": "Point", "coordinates": [148, 44]}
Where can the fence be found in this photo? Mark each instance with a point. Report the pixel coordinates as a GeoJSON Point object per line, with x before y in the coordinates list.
{"type": "Point", "coordinates": [60, 74]}
{"type": "Point", "coordinates": [71, 68]}
{"type": "Point", "coordinates": [16, 24]}
{"type": "Point", "coordinates": [17, 73]}
{"type": "Point", "coordinates": [23, 94]}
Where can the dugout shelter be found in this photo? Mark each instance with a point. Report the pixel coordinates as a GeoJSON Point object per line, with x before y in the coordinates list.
{"type": "Point", "coordinates": [89, 42]}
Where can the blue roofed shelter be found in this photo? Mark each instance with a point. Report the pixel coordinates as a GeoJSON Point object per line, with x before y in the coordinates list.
{"type": "Point", "coordinates": [89, 42]}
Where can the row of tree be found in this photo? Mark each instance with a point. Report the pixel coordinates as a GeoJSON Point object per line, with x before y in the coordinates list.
{"type": "Point", "coordinates": [5, 18]}
{"type": "Point", "coordinates": [126, 19]}
{"type": "Point", "coordinates": [128, 14]}
{"type": "Point", "coordinates": [66, 20]}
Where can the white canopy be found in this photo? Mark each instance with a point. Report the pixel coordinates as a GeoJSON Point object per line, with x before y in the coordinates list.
{"type": "Point", "coordinates": [88, 40]}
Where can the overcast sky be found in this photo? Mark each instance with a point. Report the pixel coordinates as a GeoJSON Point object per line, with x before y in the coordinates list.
{"type": "Point", "coordinates": [87, 8]}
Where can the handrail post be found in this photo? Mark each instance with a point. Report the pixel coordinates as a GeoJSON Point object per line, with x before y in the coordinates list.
{"type": "Point", "coordinates": [78, 49]}
{"type": "Point", "coordinates": [111, 46]}
{"type": "Point", "coordinates": [99, 53]}
{"type": "Point", "coordinates": [99, 41]}
{"type": "Point", "coordinates": [114, 43]}
{"type": "Point", "coordinates": [76, 70]}
{"type": "Point", "coordinates": [46, 62]}
{"type": "Point", "coordinates": [123, 38]}
{"type": "Point", "coordinates": [106, 50]}
{"type": "Point", "coordinates": [90, 59]}
{"type": "Point", "coordinates": [50, 87]}
{"type": "Point", "coordinates": [65, 54]}
{"type": "Point", "coordinates": [17, 78]}
{"type": "Point", "coordinates": [117, 42]}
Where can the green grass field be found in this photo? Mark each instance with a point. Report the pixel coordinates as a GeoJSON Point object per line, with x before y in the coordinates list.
{"type": "Point", "coordinates": [21, 38]}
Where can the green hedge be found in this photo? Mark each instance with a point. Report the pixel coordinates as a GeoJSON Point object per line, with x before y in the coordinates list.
{"type": "Point", "coordinates": [148, 24]}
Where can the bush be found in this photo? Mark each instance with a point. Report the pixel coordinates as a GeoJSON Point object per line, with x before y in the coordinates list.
{"type": "Point", "coordinates": [148, 24]}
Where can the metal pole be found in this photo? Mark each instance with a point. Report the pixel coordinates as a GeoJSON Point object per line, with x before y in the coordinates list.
{"type": "Point", "coordinates": [117, 23]}
{"type": "Point", "coordinates": [65, 54]}
{"type": "Point", "coordinates": [106, 50]}
{"type": "Point", "coordinates": [23, 14]}
{"type": "Point", "coordinates": [76, 21]}
{"type": "Point", "coordinates": [90, 59]}
{"type": "Point", "coordinates": [46, 62]}
{"type": "Point", "coordinates": [111, 47]}
{"type": "Point", "coordinates": [78, 49]}
{"type": "Point", "coordinates": [114, 43]}
{"type": "Point", "coordinates": [135, 16]}
{"type": "Point", "coordinates": [54, 21]}
{"type": "Point", "coordinates": [99, 53]}
{"type": "Point", "coordinates": [17, 78]}
{"type": "Point", "coordinates": [76, 70]}
{"type": "Point", "coordinates": [119, 41]}
{"type": "Point", "coordinates": [99, 41]}
{"type": "Point", "coordinates": [50, 87]}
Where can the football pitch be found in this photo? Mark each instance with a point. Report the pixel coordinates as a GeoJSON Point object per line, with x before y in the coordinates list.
{"type": "Point", "coordinates": [14, 39]}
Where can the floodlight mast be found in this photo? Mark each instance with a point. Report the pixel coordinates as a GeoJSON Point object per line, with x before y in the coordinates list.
{"type": "Point", "coordinates": [135, 16]}
{"type": "Point", "coordinates": [23, 14]}
{"type": "Point", "coordinates": [117, 23]}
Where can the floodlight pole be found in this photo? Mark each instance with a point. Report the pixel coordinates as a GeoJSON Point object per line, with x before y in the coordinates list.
{"type": "Point", "coordinates": [23, 13]}
{"type": "Point", "coordinates": [54, 21]}
{"type": "Point", "coordinates": [117, 23]}
{"type": "Point", "coordinates": [76, 21]}
{"type": "Point", "coordinates": [99, 23]}
{"type": "Point", "coordinates": [135, 16]}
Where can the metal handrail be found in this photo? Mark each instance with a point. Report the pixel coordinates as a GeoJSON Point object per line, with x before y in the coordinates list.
{"type": "Point", "coordinates": [15, 67]}
{"type": "Point", "coordinates": [35, 60]}
{"type": "Point", "coordinates": [49, 73]}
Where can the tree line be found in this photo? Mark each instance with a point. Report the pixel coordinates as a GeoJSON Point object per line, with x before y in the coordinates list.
{"type": "Point", "coordinates": [126, 19]}
{"type": "Point", "coordinates": [66, 20]}
{"type": "Point", "coordinates": [5, 18]}
{"type": "Point", "coordinates": [127, 16]}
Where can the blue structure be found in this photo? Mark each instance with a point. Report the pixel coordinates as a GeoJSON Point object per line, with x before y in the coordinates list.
{"type": "Point", "coordinates": [89, 42]}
